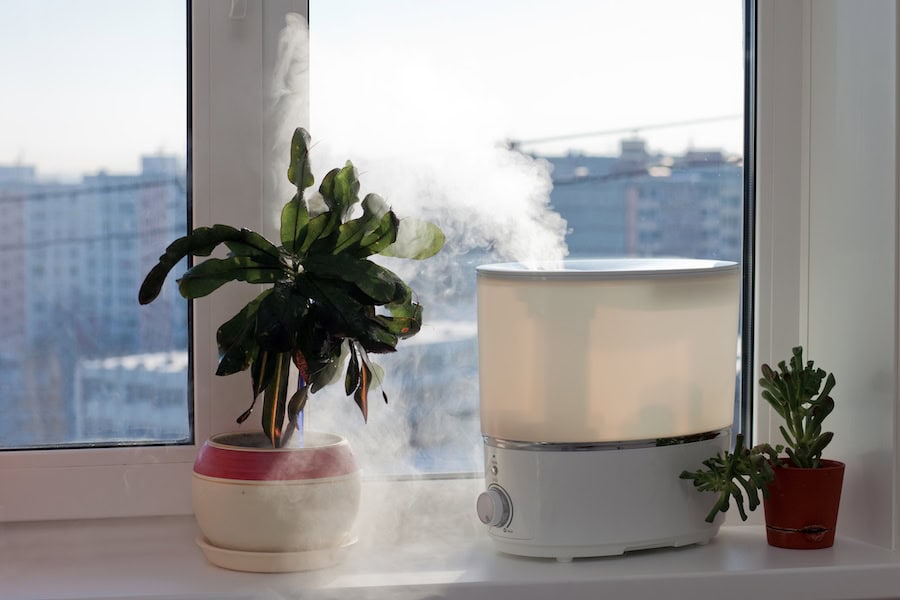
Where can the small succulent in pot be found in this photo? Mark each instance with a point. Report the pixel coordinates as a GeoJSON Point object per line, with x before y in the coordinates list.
{"type": "Point", "coordinates": [328, 304]}
{"type": "Point", "coordinates": [801, 395]}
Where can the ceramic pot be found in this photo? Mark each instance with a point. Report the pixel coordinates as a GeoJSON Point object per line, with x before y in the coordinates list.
{"type": "Point", "coordinates": [802, 507]}
{"type": "Point", "coordinates": [249, 497]}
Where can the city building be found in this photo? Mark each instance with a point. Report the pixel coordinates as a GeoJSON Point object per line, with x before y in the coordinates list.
{"type": "Point", "coordinates": [74, 335]}
{"type": "Point", "coordinates": [14, 182]}
{"type": "Point", "coordinates": [135, 397]}
{"type": "Point", "coordinates": [643, 204]}
{"type": "Point", "coordinates": [69, 293]}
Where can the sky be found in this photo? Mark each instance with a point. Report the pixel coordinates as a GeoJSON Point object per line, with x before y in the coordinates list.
{"type": "Point", "coordinates": [531, 69]}
{"type": "Point", "coordinates": [91, 84]}
{"type": "Point", "coordinates": [94, 84]}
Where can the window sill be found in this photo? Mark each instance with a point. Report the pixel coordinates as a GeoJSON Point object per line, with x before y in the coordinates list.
{"type": "Point", "coordinates": [157, 558]}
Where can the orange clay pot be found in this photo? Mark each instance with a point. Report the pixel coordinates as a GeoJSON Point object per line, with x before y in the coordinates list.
{"type": "Point", "coordinates": [802, 507]}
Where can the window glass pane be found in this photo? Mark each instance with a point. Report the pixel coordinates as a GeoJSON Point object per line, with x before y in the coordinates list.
{"type": "Point", "coordinates": [528, 130]}
{"type": "Point", "coordinates": [92, 187]}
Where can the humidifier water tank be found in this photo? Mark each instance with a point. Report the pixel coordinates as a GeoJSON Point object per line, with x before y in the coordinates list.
{"type": "Point", "coordinates": [600, 381]}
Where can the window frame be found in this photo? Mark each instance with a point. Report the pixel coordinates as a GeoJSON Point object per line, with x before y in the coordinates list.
{"type": "Point", "coordinates": [228, 56]}
{"type": "Point", "coordinates": [229, 51]}
{"type": "Point", "coordinates": [828, 95]}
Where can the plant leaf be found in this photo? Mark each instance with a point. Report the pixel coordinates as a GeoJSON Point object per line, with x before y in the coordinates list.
{"type": "Point", "coordinates": [329, 369]}
{"type": "Point", "coordinates": [374, 369]}
{"type": "Point", "coordinates": [236, 338]}
{"type": "Point", "coordinates": [377, 283]}
{"type": "Point", "coordinates": [294, 222]}
{"type": "Point", "coordinates": [351, 381]}
{"type": "Point", "coordinates": [246, 414]}
{"type": "Point", "coordinates": [297, 402]}
{"type": "Point", "coordinates": [275, 399]}
{"type": "Point", "coordinates": [371, 376]}
{"type": "Point", "coordinates": [416, 239]}
{"type": "Point", "coordinates": [349, 317]}
{"type": "Point", "coordinates": [383, 236]}
{"type": "Point", "coordinates": [406, 317]}
{"type": "Point", "coordinates": [200, 242]}
{"type": "Point", "coordinates": [255, 246]}
{"type": "Point", "coordinates": [299, 171]}
{"type": "Point", "coordinates": [352, 232]}
{"type": "Point", "coordinates": [295, 405]}
{"type": "Point", "coordinates": [301, 364]}
{"type": "Point", "coordinates": [213, 273]}
{"type": "Point", "coordinates": [278, 319]}
{"type": "Point", "coordinates": [314, 230]}
{"type": "Point", "coordinates": [726, 474]}
{"type": "Point", "coordinates": [361, 396]}
{"type": "Point", "coordinates": [402, 327]}
{"type": "Point", "coordinates": [340, 190]}
{"type": "Point", "coordinates": [261, 371]}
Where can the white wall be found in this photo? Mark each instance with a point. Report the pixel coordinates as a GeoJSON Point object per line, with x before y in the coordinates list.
{"type": "Point", "coordinates": [852, 246]}
{"type": "Point", "coordinates": [828, 230]}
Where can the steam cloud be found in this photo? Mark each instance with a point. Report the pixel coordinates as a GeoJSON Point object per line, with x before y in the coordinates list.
{"type": "Point", "coordinates": [432, 149]}
{"type": "Point", "coordinates": [431, 146]}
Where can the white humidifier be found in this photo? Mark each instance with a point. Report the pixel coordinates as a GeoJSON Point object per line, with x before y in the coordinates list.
{"type": "Point", "coordinates": [600, 381]}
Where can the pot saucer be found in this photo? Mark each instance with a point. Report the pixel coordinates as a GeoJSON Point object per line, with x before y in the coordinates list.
{"type": "Point", "coordinates": [273, 562]}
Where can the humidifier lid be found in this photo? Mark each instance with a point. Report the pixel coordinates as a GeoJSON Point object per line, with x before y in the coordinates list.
{"type": "Point", "coordinates": [605, 268]}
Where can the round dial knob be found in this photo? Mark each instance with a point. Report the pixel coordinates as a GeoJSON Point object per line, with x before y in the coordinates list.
{"type": "Point", "coordinates": [494, 507]}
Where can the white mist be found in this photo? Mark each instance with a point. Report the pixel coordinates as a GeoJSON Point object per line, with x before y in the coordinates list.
{"type": "Point", "coordinates": [430, 146]}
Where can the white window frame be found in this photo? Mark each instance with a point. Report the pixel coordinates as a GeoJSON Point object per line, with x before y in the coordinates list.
{"type": "Point", "coordinates": [230, 51]}
{"type": "Point", "coordinates": [827, 191]}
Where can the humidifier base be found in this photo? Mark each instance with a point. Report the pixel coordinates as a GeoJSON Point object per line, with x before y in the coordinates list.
{"type": "Point", "coordinates": [567, 553]}
{"type": "Point", "coordinates": [568, 501]}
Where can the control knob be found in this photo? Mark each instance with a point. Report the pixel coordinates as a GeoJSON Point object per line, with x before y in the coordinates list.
{"type": "Point", "coordinates": [494, 507]}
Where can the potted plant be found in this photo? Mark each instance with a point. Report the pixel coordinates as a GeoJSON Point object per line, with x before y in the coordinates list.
{"type": "Point", "coordinates": [801, 491]}
{"type": "Point", "coordinates": [270, 500]}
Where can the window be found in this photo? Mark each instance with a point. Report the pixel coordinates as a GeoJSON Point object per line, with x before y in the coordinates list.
{"type": "Point", "coordinates": [93, 179]}
{"type": "Point", "coordinates": [526, 131]}
{"type": "Point", "coordinates": [228, 148]}
{"type": "Point", "coordinates": [225, 100]}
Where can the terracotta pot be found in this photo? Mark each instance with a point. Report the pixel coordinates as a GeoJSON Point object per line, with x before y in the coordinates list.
{"type": "Point", "coordinates": [802, 507]}
{"type": "Point", "coordinates": [251, 498]}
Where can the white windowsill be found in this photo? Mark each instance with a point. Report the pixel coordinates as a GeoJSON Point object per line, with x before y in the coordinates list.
{"type": "Point", "coordinates": [157, 558]}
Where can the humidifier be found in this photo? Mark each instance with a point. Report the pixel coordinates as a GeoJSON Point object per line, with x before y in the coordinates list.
{"type": "Point", "coordinates": [600, 381]}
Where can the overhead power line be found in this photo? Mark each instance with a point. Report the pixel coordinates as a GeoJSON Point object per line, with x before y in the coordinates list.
{"type": "Point", "coordinates": [513, 144]}
{"type": "Point", "coordinates": [13, 196]}
{"type": "Point", "coordinates": [91, 239]}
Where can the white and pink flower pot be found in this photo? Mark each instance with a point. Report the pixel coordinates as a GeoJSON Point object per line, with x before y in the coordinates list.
{"type": "Point", "coordinates": [275, 509]}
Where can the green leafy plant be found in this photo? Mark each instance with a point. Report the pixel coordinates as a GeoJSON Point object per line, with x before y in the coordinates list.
{"type": "Point", "coordinates": [796, 392]}
{"type": "Point", "coordinates": [798, 396]}
{"type": "Point", "coordinates": [328, 304]}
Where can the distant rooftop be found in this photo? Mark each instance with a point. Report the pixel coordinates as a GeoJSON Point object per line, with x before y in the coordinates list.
{"type": "Point", "coordinates": [159, 362]}
{"type": "Point", "coordinates": [16, 174]}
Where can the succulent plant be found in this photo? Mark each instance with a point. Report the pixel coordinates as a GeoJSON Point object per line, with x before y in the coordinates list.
{"type": "Point", "coordinates": [797, 394]}
{"type": "Point", "coordinates": [328, 304]}
{"type": "Point", "coordinates": [727, 474]}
